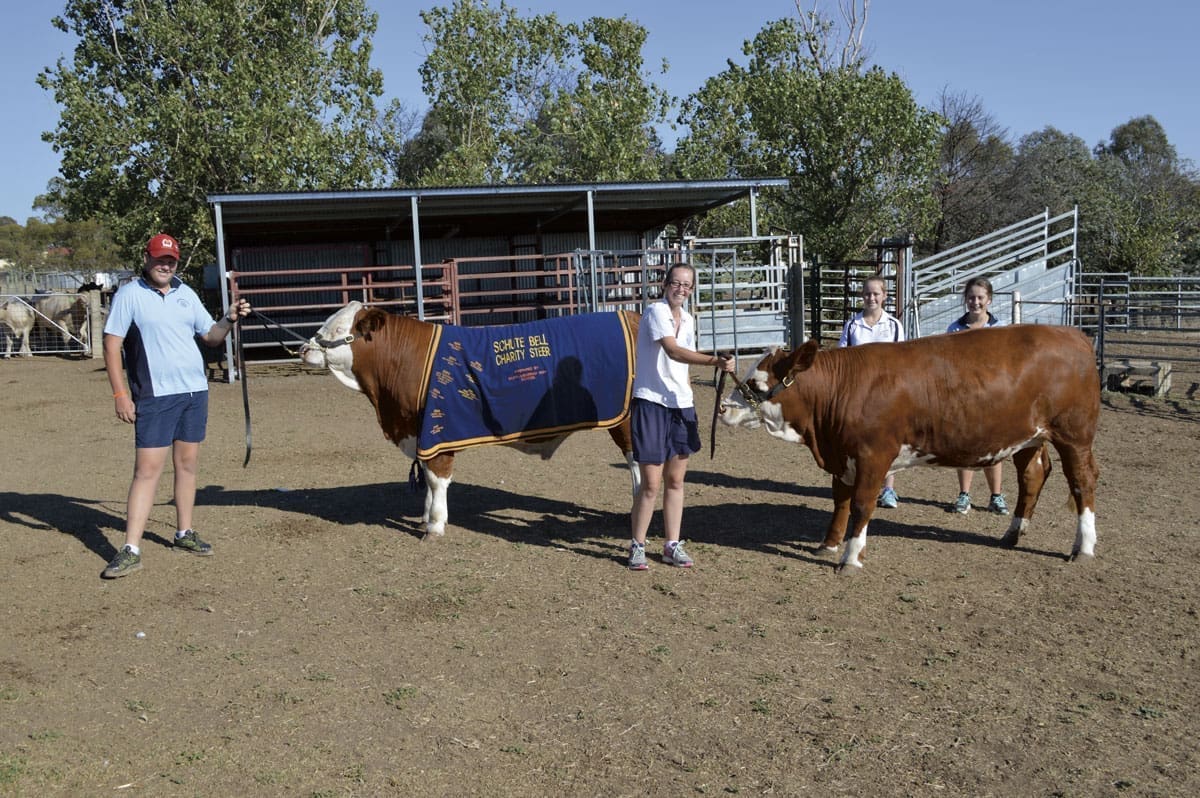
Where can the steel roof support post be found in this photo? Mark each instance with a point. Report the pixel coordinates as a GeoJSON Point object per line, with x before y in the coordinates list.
{"type": "Point", "coordinates": [754, 212]}
{"type": "Point", "coordinates": [1073, 271]}
{"type": "Point", "coordinates": [416, 232]}
{"type": "Point", "coordinates": [906, 287]}
{"type": "Point", "coordinates": [597, 285]}
{"type": "Point", "coordinates": [223, 280]}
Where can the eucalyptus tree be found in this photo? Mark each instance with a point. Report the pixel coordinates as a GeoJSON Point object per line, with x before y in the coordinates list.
{"type": "Point", "coordinates": [861, 153]}
{"type": "Point", "coordinates": [975, 158]}
{"type": "Point", "coordinates": [533, 99]}
{"type": "Point", "coordinates": [602, 126]}
{"type": "Point", "coordinates": [166, 102]}
{"type": "Point", "coordinates": [1156, 222]}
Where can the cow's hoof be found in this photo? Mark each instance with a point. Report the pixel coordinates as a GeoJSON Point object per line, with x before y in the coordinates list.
{"type": "Point", "coordinates": [843, 569]}
{"type": "Point", "coordinates": [1010, 540]}
{"type": "Point", "coordinates": [431, 537]}
{"type": "Point", "coordinates": [1080, 557]}
{"type": "Point", "coordinates": [825, 551]}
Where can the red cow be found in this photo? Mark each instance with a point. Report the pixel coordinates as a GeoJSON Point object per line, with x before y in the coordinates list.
{"type": "Point", "coordinates": [965, 400]}
{"type": "Point", "coordinates": [384, 356]}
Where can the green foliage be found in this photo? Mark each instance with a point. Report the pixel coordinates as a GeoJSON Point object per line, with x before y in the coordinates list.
{"type": "Point", "coordinates": [164, 103]}
{"type": "Point", "coordinates": [60, 245]}
{"type": "Point", "coordinates": [1153, 213]}
{"type": "Point", "coordinates": [860, 151]}
{"type": "Point", "coordinates": [532, 100]}
{"type": "Point", "coordinates": [974, 162]}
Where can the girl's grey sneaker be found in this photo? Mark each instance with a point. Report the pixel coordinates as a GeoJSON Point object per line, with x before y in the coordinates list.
{"type": "Point", "coordinates": [963, 503]}
{"type": "Point", "coordinates": [637, 558]}
{"type": "Point", "coordinates": [125, 563]}
{"type": "Point", "coordinates": [675, 555]}
{"type": "Point", "coordinates": [192, 544]}
{"type": "Point", "coordinates": [997, 505]}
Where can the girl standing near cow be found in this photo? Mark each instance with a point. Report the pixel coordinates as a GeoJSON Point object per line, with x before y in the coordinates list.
{"type": "Point", "coordinates": [871, 325]}
{"type": "Point", "coordinates": [663, 415]}
{"type": "Point", "coordinates": [977, 297]}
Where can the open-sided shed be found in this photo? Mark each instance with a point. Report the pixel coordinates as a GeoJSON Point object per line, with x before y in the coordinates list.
{"type": "Point", "coordinates": [488, 254]}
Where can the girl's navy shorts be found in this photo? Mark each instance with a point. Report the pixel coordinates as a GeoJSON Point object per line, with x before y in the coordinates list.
{"type": "Point", "coordinates": [660, 433]}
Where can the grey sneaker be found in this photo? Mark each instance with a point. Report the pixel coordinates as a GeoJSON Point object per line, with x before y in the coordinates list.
{"type": "Point", "coordinates": [637, 557]}
{"type": "Point", "coordinates": [963, 503]}
{"type": "Point", "coordinates": [888, 499]}
{"type": "Point", "coordinates": [191, 543]}
{"type": "Point", "coordinates": [125, 563]}
{"type": "Point", "coordinates": [675, 555]}
{"type": "Point", "coordinates": [997, 505]}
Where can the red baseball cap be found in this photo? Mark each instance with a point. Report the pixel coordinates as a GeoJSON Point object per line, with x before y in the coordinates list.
{"type": "Point", "coordinates": [162, 245]}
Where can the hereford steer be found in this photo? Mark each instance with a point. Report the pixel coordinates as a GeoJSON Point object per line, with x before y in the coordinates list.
{"type": "Point", "coordinates": [965, 400]}
{"type": "Point", "coordinates": [388, 357]}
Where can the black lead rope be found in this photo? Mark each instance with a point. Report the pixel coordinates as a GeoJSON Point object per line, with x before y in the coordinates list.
{"type": "Point", "coordinates": [712, 436]}
{"type": "Point", "coordinates": [240, 364]}
{"type": "Point", "coordinates": [273, 325]}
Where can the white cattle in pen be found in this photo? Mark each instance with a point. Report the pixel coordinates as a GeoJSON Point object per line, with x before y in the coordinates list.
{"type": "Point", "coordinates": [17, 316]}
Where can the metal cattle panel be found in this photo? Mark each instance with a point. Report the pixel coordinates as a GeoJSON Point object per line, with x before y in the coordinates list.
{"type": "Point", "coordinates": [742, 300]}
{"type": "Point", "coordinates": [62, 323]}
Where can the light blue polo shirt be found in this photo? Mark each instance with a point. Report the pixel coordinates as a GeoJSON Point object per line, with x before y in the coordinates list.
{"type": "Point", "coordinates": [161, 354]}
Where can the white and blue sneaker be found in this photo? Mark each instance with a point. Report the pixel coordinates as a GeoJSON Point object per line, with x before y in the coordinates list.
{"type": "Point", "coordinates": [637, 557]}
{"type": "Point", "coordinates": [888, 499]}
{"type": "Point", "coordinates": [673, 554]}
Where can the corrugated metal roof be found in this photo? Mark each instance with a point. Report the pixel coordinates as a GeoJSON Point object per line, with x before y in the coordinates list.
{"type": "Point", "coordinates": [386, 214]}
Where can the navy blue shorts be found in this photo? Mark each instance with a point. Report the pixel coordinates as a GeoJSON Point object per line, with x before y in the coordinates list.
{"type": "Point", "coordinates": [162, 420]}
{"type": "Point", "coordinates": [660, 433]}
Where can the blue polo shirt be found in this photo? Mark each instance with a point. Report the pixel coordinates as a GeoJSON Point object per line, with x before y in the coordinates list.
{"type": "Point", "coordinates": [960, 324]}
{"type": "Point", "coordinates": [161, 355]}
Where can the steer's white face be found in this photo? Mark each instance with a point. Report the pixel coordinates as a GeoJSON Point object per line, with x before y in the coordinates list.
{"type": "Point", "coordinates": [339, 359]}
{"type": "Point", "coordinates": [736, 412]}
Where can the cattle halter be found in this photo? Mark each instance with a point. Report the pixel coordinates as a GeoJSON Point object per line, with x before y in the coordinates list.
{"type": "Point", "coordinates": [754, 397]}
{"type": "Point", "coordinates": [325, 344]}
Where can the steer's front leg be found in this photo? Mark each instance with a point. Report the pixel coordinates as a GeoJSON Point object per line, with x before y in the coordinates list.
{"type": "Point", "coordinates": [862, 507]}
{"type": "Point", "coordinates": [842, 494]}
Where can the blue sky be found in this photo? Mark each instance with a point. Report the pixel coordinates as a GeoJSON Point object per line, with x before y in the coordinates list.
{"type": "Point", "coordinates": [1082, 66]}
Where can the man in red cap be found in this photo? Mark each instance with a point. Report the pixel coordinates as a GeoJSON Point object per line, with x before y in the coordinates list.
{"type": "Point", "coordinates": [153, 324]}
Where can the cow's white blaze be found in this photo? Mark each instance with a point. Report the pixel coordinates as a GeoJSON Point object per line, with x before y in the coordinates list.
{"type": "Point", "coordinates": [735, 412]}
{"type": "Point", "coordinates": [339, 359]}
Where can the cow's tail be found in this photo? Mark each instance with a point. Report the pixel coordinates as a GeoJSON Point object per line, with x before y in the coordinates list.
{"type": "Point", "coordinates": [416, 476]}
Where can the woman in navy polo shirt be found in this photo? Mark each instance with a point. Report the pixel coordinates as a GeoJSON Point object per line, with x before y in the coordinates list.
{"type": "Point", "coordinates": [153, 323]}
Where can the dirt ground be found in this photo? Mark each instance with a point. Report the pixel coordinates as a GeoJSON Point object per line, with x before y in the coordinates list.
{"type": "Point", "coordinates": [326, 651]}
